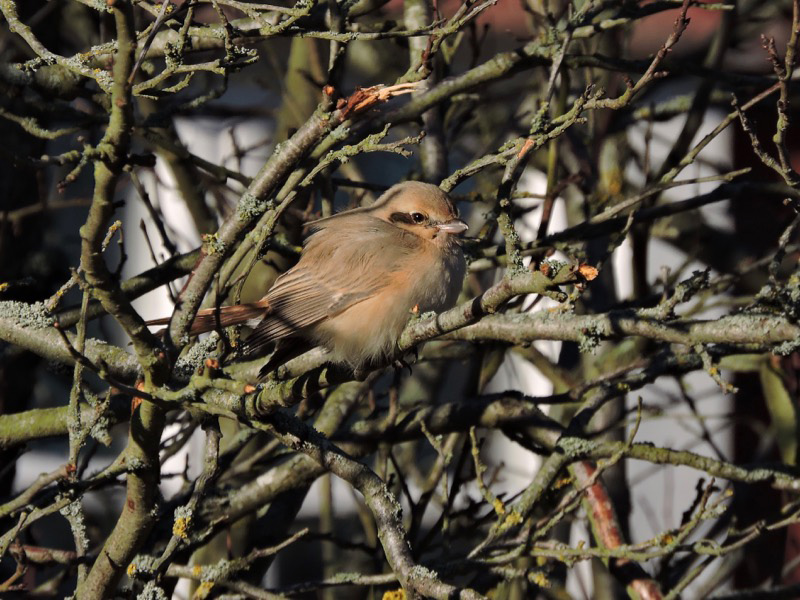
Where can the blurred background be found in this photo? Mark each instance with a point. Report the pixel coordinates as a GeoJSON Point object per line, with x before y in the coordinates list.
{"type": "Point", "coordinates": [198, 145]}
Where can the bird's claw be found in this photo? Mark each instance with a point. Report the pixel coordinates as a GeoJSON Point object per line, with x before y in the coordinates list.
{"type": "Point", "coordinates": [400, 363]}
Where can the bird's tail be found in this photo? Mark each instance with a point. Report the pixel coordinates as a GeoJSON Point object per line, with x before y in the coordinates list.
{"type": "Point", "coordinates": [210, 319]}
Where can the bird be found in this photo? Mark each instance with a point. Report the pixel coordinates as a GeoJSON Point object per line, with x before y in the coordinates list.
{"type": "Point", "coordinates": [361, 275]}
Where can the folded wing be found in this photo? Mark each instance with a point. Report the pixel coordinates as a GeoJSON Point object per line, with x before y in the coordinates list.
{"type": "Point", "coordinates": [345, 261]}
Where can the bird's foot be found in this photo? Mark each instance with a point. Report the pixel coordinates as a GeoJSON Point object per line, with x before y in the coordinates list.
{"type": "Point", "coordinates": [400, 363]}
{"type": "Point", "coordinates": [360, 374]}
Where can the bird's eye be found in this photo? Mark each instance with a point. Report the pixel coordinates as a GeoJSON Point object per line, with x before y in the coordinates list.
{"type": "Point", "coordinates": [418, 217]}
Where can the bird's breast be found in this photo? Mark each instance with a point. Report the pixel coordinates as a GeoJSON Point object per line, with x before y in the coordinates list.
{"type": "Point", "coordinates": [369, 330]}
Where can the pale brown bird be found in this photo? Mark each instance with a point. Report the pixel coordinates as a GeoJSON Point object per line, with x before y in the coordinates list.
{"type": "Point", "coordinates": [360, 275]}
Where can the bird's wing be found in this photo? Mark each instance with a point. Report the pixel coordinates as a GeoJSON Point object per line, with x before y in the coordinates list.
{"type": "Point", "coordinates": [209, 319]}
{"type": "Point", "coordinates": [341, 266]}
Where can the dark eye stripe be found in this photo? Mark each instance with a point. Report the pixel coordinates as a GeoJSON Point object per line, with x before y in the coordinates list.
{"type": "Point", "coordinates": [414, 218]}
{"type": "Point", "coordinates": [400, 217]}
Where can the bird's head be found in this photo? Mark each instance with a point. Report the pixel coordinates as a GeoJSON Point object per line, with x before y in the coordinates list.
{"type": "Point", "coordinates": [422, 209]}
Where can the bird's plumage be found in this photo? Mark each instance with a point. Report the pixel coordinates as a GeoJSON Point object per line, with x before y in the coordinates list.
{"type": "Point", "coordinates": [360, 274]}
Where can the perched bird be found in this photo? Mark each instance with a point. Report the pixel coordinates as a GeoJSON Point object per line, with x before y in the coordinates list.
{"type": "Point", "coordinates": [360, 274]}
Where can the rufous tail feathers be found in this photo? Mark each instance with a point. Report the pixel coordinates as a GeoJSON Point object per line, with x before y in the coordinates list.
{"type": "Point", "coordinates": [210, 319]}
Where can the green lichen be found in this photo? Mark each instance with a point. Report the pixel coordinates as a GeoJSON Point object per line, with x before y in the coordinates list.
{"type": "Point", "coordinates": [787, 348]}
{"type": "Point", "coordinates": [251, 207]}
{"type": "Point", "coordinates": [391, 500]}
{"type": "Point", "coordinates": [270, 385]}
{"type": "Point", "coordinates": [196, 356]}
{"type": "Point", "coordinates": [346, 577]}
{"type": "Point", "coordinates": [714, 512]}
{"type": "Point", "coordinates": [74, 513]}
{"type": "Point", "coordinates": [541, 119]}
{"type": "Point", "coordinates": [760, 475]}
{"type": "Point", "coordinates": [152, 591]}
{"type": "Point", "coordinates": [243, 55]}
{"type": "Point", "coordinates": [212, 244]}
{"type": "Point", "coordinates": [793, 287]}
{"type": "Point", "coordinates": [30, 316]}
{"type": "Point", "coordinates": [136, 464]}
{"type": "Point", "coordinates": [340, 133]}
{"type": "Point", "coordinates": [552, 266]}
{"type": "Point", "coordinates": [142, 565]}
{"type": "Point", "coordinates": [685, 290]}
{"type": "Point", "coordinates": [575, 447]}
{"type": "Point", "coordinates": [420, 572]}
{"type": "Point", "coordinates": [100, 431]}
{"type": "Point", "coordinates": [782, 300]}
{"type": "Point", "coordinates": [219, 572]}
{"type": "Point", "coordinates": [590, 339]}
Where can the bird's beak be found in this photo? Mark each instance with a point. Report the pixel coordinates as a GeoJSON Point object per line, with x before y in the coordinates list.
{"type": "Point", "coordinates": [453, 226]}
